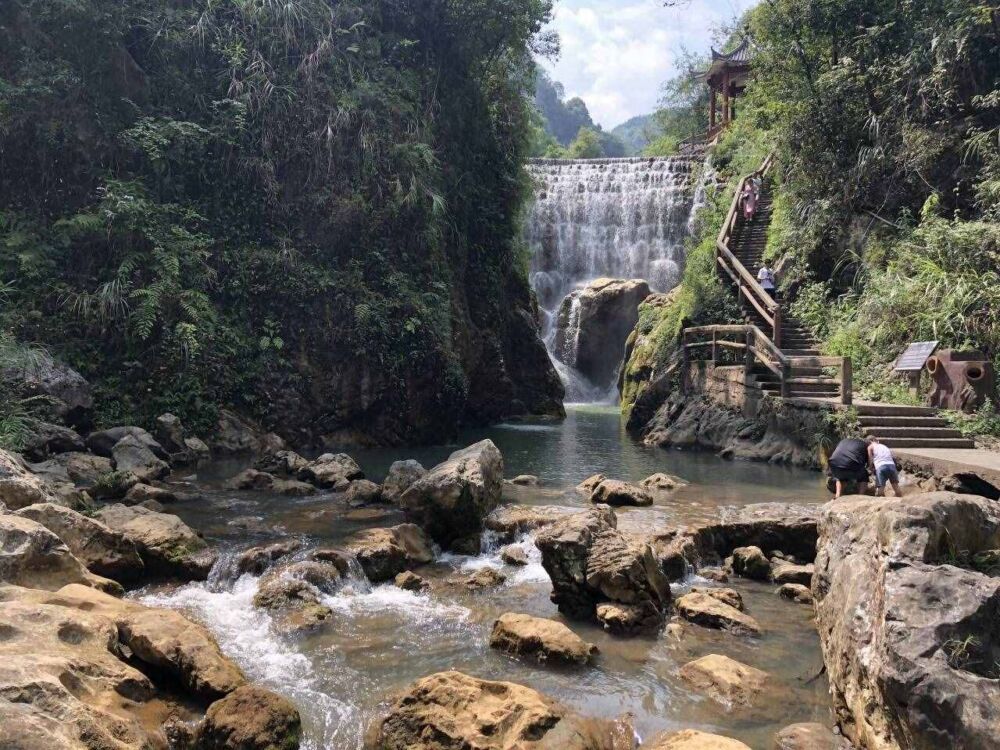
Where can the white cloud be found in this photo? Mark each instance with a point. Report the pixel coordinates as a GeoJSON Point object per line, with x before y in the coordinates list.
{"type": "Point", "coordinates": [616, 54]}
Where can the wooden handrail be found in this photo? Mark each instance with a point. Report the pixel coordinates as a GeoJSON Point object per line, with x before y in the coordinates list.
{"type": "Point", "coordinates": [746, 282]}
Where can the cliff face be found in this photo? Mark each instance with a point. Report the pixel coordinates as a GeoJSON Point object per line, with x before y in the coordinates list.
{"type": "Point", "coordinates": [312, 221]}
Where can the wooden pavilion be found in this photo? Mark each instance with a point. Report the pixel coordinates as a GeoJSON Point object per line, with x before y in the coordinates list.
{"type": "Point", "coordinates": [727, 78]}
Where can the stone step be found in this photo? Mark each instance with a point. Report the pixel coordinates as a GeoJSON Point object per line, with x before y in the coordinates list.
{"type": "Point", "coordinates": [954, 443]}
{"type": "Point", "coordinates": [890, 421]}
{"type": "Point", "coordinates": [800, 352]}
{"type": "Point", "coordinates": [894, 410]}
{"type": "Point", "coordinates": [881, 431]}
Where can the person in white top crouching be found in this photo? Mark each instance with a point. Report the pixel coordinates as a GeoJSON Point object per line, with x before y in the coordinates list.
{"type": "Point", "coordinates": [883, 465]}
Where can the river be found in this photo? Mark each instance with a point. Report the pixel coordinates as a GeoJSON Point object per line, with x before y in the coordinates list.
{"type": "Point", "coordinates": [383, 638]}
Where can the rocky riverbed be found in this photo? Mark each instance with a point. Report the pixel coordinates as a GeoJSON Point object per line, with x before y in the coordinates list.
{"type": "Point", "coordinates": [279, 601]}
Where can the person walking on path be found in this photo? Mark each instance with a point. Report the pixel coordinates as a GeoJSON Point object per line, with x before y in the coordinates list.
{"type": "Point", "coordinates": [749, 201]}
{"type": "Point", "coordinates": [766, 278]}
{"type": "Point", "coordinates": [849, 466]}
{"type": "Point", "coordinates": [883, 464]}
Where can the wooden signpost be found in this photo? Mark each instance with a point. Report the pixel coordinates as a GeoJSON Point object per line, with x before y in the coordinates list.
{"type": "Point", "coordinates": [912, 361]}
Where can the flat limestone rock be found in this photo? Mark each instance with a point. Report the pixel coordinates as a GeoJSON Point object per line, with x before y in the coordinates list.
{"type": "Point", "coordinates": [511, 521]}
{"type": "Point", "coordinates": [786, 572]}
{"type": "Point", "coordinates": [485, 578]}
{"type": "Point", "coordinates": [725, 595]}
{"type": "Point", "coordinates": [796, 592]}
{"type": "Point", "coordinates": [691, 739]}
{"type": "Point", "coordinates": [725, 680]}
{"type": "Point", "coordinates": [454, 710]}
{"type": "Point", "coordinates": [809, 736]}
{"type": "Point", "coordinates": [709, 612]}
{"type": "Point", "coordinates": [540, 639]}
{"type": "Point", "coordinates": [661, 482]}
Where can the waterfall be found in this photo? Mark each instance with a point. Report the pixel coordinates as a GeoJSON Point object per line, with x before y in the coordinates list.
{"type": "Point", "coordinates": [618, 218]}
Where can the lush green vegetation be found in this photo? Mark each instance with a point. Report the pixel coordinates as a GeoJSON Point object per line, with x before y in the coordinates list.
{"type": "Point", "coordinates": [886, 120]}
{"type": "Point", "coordinates": [637, 133]}
{"type": "Point", "coordinates": [564, 129]}
{"type": "Point", "coordinates": [308, 210]}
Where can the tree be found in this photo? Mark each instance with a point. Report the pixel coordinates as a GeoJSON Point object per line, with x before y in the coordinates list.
{"type": "Point", "coordinates": [587, 145]}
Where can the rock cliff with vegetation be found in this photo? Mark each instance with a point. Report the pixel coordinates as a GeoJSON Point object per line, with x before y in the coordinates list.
{"type": "Point", "coordinates": [306, 211]}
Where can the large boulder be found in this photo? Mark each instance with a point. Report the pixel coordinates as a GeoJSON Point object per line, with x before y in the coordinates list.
{"type": "Point", "coordinates": [235, 435]}
{"type": "Point", "coordinates": [590, 562]}
{"type": "Point", "coordinates": [250, 718]}
{"type": "Point", "coordinates": [103, 442]}
{"type": "Point", "coordinates": [82, 470]}
{"type": "Point", "coordinates": [384, 553]}
{"type": "Point", "coordinates": [19, 487]}
{"type": "Point", "coordinates": [910, 632]}
{"type": "Point", "coordinates": [402, 474]}
{"type": "Point", "coordinates": [453, 711]}
{"type": "Point", "coordinates": [169, 548]}
{"type": "Point", "coordinates": [333, 471]}
{"type": "Point", "coordinates": [135, 457]}
{"type": "Point", "coordinates": [692, 739]}
{"type": "Point", "coordinates": [594, 322]}
{"type": "Point", "coordinates": [454, 498]}
{"type": "Point", "coordinates": [169, 433]}
{"type": "Point", "coordinates": [283, 463]}
{"type": "Point", "coordinates": [725, 680]}
{"type": "Point", "coordinates": [44, 439]}
{"type": "Point", "coordinates": [68, 393]}
{"type": "Point", "coordinates": [105, 552]}
{"type": "Point", "coordinates": [31, 555]}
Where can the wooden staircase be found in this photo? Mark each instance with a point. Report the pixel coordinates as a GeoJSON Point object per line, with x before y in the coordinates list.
{"type": "Point", "coordinates": [783, 357]}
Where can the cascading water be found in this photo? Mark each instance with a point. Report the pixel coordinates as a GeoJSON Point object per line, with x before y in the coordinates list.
{"type": "Point", "coordinates": [617, 218]}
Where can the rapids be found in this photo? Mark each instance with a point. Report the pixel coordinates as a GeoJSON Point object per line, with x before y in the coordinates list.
{"type": "Point", "coordinates": [382, 638]}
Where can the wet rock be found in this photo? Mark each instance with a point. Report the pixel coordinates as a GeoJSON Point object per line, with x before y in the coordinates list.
{"type": "Point", "coordinates": [103, 551]}
{"type": "Point", "coordinates": [512, 521]}
{"type": "Point", "coordinates": [410, 581]}
{"type": "Point", "coordinates": [252, 479]}
{"type": "Point", "coordinates": [79, 469]}
{"type": "Point", "coordinates": [250, 718]}
{"type": "Point", "coordinates": [363, 492]}
{"type": "Point", "coordinates": [808, 736]}
{"type": "Point", "coordinates": [197, 449]}
{"type": "Point", "coordinates": [615, 493]}
{"type": "Point", "coordinates": [709, 612]}
{"type": "Point", "coordinates": [588, 485]}
{"type": "Point", "coordinates": [590, 563]}
{"type": "Point", "coordinates": [322, 574]}
{"type": "Point", "coordinates": [486, 578]}
{"type": "Point", "coordinates": [70, 397]}
{"type": "Point", "coordinates": [19, 487]}
{"type": "Point", "coordinates": [294, 603]}
{"type": "Point", "coordinates": [714, 574]}
{"type": "Point", "coordinates": [453, 710]}
{"type": "Point", "coordinates": [796, 592]}
{"type": "Point", "coordinates": [909, 638]}
{"type": "Point", "coordinates": [282, 463]}
{"type": "Point", "coordinates": [169, 433]}
{"type": "Point", "coordinates": [135, 457]}
{"type": "Point", "coordinates": [384, 553]}
{"type": "Point", "coordinates": [596, 320]}
{"type": "Point", "coordinates": [454, 498]}
{"type": "Point", "coordinates": [103, 442]}
{"type": "Point", "coordinates": [725, 680]}
{"type": "Point", "coordinates": [235, 435]}
{"type": "Point", "coordinates": [691, 739]}
{"type": "Point", "coordinates": [143, 493]}
{"type": "Point", "coordinates": [258, 559]}
{"type": "Point", "coordinates": [675, 551]}
{"type": "Point", "coordinates": [540, 639]}
{"type": "Point", "coordinates": [401, 475]}
{"type": "Point", "coordinates": [726, 596]}
{"type": "Point", "coordinates": [331, 471]}
{"type": "Point", "coordinates": [525, 480]}
{"type": "Point", "coordinates": [786, 572]}
{"type": "Point", "coordinates": [167, 546]}
{"type": "Point", "coordinates": [622, 619]}
{"type": "Point", "coordinates": [339, 558]}
{"type": "Point", "coordinates": [514, 554]}
{"type": "Point", "coordinates": [44, 439]}
{"type": "Point", "coordinates": [31, 555]}
{"type": "Point", "coordinates": [662, 483]}
{"type": "Point", "coordinates": [750, 562]}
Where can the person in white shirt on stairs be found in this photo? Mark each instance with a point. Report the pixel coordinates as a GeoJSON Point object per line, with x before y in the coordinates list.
{"type": "Point", "coordinates": [883, 465]}
{"type": "Point", "coordinates": [766, 278]}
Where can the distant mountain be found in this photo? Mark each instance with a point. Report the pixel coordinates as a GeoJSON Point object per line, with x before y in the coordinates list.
{"type": "Point", "coordinates": [564, 122]}
{"type": "Point", "coordinates": [637, 133]}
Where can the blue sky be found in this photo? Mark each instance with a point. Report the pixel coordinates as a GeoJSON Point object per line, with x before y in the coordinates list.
{"type": "Point", "coordinates": [617, 53]}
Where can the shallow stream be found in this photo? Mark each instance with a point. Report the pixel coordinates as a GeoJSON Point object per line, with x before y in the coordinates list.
{"type": "Point", "coordinates": [383, 638]}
